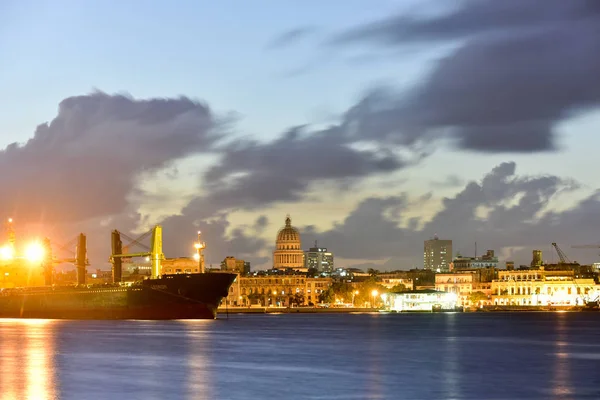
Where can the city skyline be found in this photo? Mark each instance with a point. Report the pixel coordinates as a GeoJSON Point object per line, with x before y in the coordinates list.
{"type": "Point", "coordinates": [376, 127]}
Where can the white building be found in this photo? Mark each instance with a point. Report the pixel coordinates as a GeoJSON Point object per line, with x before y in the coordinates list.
{"type": "Point", "coordinates": [539, 287]}
{"type": "Point", "coordinates": [419, 300]}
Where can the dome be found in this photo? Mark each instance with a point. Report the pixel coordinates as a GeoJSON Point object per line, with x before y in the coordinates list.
{"type": "Point", "coordinates": [288, 252]}
{"type": "Point", "coordinates": [288, 233]}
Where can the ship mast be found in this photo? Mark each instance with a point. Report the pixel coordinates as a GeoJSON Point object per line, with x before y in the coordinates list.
{"type": "Point", "coordinates": [199, 256]}
{"type": "Point", "coordinates": [10, 230]}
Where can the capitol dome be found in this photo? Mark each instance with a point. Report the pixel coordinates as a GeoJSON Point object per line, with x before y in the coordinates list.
{"type": "Point", "coordinates": [288, 247]}
{"type": "Point", "coordinates": [288, 234]}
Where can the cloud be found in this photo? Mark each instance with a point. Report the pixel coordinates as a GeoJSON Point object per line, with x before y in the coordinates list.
{"type": "Point", "coordinates": [83, 169]}
{"type": "Point", "coordinates": [507, 83]}
{"type": "Point", "coordinates": [253, 175]}
{"type": "Point", "coordinates": [181, 230]}
{"type": "Point", "coordinates": [85, 162]}
{"type": "Point", "coordinates": [450, 181]}
{"type": "Point", "coordinates": [516, 217]}
{"type": "Point", "coordinates": [291, 37]}
{"type": "Point", "coordinates": [261, 223]}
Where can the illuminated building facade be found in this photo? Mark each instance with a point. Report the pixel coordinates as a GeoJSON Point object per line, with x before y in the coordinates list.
{"type": "Point", "coordinates": [437, 255]}
{"type": "Point", "coordinates": [488, 260]}
{"type": "Point", "coordinates": [319, 258]}
{"type": "Point", "coordinates": [288, 252]}
{"type": "Point", "coordinates": [419, 300]}
{"type": "Point", "coordinates": [463, 284]}
{"type": "Point", "coordinates": [280, 291]}
{"type": "Point", "coordinates": [539, 287]}
{"type": "Point", "coordinates": [393, 280]}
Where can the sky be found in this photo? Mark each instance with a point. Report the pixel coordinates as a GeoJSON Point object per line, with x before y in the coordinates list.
{"type": "Point", "coordinates": [375, 125]}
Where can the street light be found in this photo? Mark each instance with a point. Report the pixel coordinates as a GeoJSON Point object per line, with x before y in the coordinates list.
{"type": "Point", "coordinates": [374, 293]}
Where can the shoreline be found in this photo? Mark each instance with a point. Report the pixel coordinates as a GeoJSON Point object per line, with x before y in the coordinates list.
{"type": "Point", "coordinates": [335, 310]}
{"type": "Point", "coordinates": [294, 310]}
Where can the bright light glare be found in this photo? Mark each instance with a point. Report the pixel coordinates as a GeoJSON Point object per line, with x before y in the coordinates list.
{"type": "Point", "coordinates": [6, 253]}
{"type": "Point", "coordinates": [375, 293]}
{"type": "Point", "coordinates": [34, 252]}
{"type": "Point", "coordinates": [196, 256]}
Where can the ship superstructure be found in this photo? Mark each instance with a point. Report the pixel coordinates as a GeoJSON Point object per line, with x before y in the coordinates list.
{"type": "Point", "coordinates": [175, 296]}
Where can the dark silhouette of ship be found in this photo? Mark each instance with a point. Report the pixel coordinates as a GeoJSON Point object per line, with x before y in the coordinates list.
{"type": "Point", "coordinates": [162, 297]}
{"type": "Point", "coordinates": [180, 296]}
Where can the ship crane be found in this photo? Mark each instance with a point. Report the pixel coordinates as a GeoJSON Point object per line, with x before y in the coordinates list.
{"type": "Point", "coordinates": [77, 257]}
{"type": "Point", "coordinates": [121, 253]}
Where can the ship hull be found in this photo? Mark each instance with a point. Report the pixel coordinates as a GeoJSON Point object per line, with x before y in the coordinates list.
{"type": "Point", "coordinates": [184, 296]}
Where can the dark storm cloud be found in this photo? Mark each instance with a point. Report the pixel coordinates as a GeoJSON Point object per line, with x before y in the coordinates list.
{"type": "Point", "coordinates": [519, 68]}
{"type": "Point", "coordinates": [253, 175]}
{"type": "Point", "coordinates": [86, 161]}
{"type": "Point", "coordinates": [80, 172]}
{"type": "Point", "coordinates": [368, 232]}
{"type": "Point", "coordinates": [261, 223]}
{"type": "Point", "coordinates": [290, 37]}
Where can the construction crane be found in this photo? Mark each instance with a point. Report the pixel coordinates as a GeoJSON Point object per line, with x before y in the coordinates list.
{"type": "Point", "coordinates": [587, 246]}
{"type": "Point", "coordinates": [561, 255]}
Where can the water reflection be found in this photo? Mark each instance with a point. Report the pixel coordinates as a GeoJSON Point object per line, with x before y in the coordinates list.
{"type": "Point", "coordinates": [450, 365]}
{"type": "Point", "coordinates": [456, 356]}
{"type": "Point", "coordinates": [562, 379]}
{"type": "Point", "coordinates": [27, 359]}
{"type": "Point", "coordinates": [375, 372]}
{"type": "Point", "coordinates": [199, 382]}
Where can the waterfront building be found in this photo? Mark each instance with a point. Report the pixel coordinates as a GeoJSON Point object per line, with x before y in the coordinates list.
{"type": "Point", "coordinates": [276, 290]}
{"type": "Point", "coordinates": [437, 255]}
{"type": "Point", "coordinates": [540, 287]}
{"type": "Point", "coordinates": [488, 260]}
{"type": "Point", "coordinates": [314, 288]}
{"type": "Point", "coordinates": [288, 252]}
{"type": "Point", "coordinates": [319, 258]}
{"type": "Point", "coordinates": [463, 284]}
{"type": "Point", "coordinates": [390, 280]}
{"type": "Point", "coordinates": [419, 300]}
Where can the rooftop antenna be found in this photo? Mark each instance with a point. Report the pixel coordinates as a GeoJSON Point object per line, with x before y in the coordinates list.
{"type": "Point", "coordinates": [475, 249]}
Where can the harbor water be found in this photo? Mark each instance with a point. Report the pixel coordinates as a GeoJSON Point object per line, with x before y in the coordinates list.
{"type": "Point", "coordinates": [306, 356]}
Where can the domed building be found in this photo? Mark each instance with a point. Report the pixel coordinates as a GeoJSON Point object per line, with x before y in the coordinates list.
{"type": "Point", "coordinates": [288, 252]}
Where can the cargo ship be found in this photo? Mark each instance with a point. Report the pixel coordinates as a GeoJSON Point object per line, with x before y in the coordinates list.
{"type": "Point", "coordinates": [161, 297]}
{"type": "Point", "coordinates": [180, 296]}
